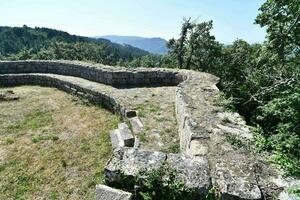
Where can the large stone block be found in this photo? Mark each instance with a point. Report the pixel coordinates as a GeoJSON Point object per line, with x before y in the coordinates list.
{"type": "Point", "coordinates": [131, 161]}
{"type": "Point", "coordinates": [195, 174]}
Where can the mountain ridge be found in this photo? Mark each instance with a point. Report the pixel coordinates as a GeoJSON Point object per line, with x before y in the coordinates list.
{"type": "Point", "coordinates": [156, 45]}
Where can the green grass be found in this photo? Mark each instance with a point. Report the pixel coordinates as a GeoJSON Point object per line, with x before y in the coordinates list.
{"type": "Point", "coordinates": [34, 120]}
{"type": "Point", "coordinates": [38, 138]}
{"type": "Point", "coordinates": [9, 140]}
{"type": "Point", "coordinates": [146, 109]}
{"type": "Point", "coordinates": [56, 146]}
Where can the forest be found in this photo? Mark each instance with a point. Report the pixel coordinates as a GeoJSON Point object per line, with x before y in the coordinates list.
{"type": "Point", "coordinates": [260, 81]}
{"type": "Point", "coordinates": [20, 43]}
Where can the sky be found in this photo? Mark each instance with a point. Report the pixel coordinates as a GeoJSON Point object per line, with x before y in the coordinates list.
{"type": "Point", "coordinates": [233, 19]}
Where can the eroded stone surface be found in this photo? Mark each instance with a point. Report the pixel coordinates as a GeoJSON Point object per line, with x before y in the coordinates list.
{"type": "Point", "coordinates": [195, 174]}
{"type": "Point", "coordinates": [104, 192]}
{"type": "Point", "coordinates": [131, 161]}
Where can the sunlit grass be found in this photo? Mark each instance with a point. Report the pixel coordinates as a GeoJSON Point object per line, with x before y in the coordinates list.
{"type": "Point", "coordinates": [56, 146]}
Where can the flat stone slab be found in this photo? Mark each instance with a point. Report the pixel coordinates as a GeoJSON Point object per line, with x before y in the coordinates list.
{"type": "Point", "coordinates": [137, 125]}
{"type": "Point", "coordinates": [115, 140]}
{"type": "Point", "coordinates": [104, 192]}
{"type": "Point", "coordinates": [8, 96]}
{"type": "Point", "coordinates": [131, 161]}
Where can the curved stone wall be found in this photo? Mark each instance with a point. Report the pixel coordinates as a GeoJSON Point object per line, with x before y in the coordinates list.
{"type": "Point", "coordinates": [59, 82]}
{"type": "Point", "coordinates": [203, 126]}
{"type": "Point", "coordinates": [117, 77]}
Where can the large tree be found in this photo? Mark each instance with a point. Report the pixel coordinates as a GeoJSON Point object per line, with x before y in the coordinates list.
{"type": "Point", "coordinates": [196, 48]}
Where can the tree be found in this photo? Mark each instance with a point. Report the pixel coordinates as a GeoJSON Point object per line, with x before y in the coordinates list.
{"type": "Point", "coordinates": [282, 20]}
{"type": "Point", "coordinates": [196, 48]}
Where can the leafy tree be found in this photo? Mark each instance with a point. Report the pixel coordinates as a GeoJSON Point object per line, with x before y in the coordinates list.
{"type": "Point", "coordinates": [282, 20]}
{"type": "Point", "coordinates": [196, 48]}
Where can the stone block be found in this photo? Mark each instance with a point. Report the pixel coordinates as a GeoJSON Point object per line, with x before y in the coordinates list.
{"type": "Point", "coordinates": [195, 175]}
{"type": "Point", "coordinates": [131, 161]}
{"type": "Point", "coordinates": [104, 192]}
{"type": "Point", "coordinates": [126, 135]}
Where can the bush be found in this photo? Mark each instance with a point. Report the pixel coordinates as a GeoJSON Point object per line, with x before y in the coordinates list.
{"type": "Point", "coordinates": [280, 130]}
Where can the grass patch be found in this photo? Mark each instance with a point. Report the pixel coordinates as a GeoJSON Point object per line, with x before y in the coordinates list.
{"type": "Point", "coordinates": [68, 168]}
{"type": "Point", "coordinates": [146, 109]}
{"type": "Point", "coordinates": [9, 140]}
{"type": "Point", "coordinates": [143, 136]}
{"type": "Point", "coordinates": [38, 138]}
{"type": "Point", "coordinates": [32, 121]}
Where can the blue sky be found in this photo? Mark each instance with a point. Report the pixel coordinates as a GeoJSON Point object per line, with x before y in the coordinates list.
{"type": "Point", "coordinates": [150, 18]}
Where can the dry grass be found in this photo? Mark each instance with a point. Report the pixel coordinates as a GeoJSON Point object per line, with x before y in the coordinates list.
{"type": "Point", "coordinates": [52, 146]}
{"type": "Point", "coordinates": [156, 108]}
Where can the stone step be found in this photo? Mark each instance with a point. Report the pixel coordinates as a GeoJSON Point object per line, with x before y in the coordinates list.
{"type": "Point", "coordinates": [122, 137]}
{"type": "Point", "coordinates": [115, 139]}
{"type": "Point", "coordinates": [136, 124]}
{"type": "Point", "coordinates": [104, 192]}
{"type": "Point", "coordinates": [126, 135]}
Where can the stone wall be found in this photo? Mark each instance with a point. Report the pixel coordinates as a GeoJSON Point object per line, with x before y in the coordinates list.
{"type": "Point", "coordinates": [10, 80]}
{"type": "Point", "coordinates": [117, 77]}
{"type": "Point", "coordinates": [13, 73]}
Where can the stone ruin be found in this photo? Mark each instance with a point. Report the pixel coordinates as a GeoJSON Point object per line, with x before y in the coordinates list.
{"type": "Point", "coordinates": [206, 159]}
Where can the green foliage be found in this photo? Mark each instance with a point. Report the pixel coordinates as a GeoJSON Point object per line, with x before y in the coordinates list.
{"type": "Point", "coordinates": [41, 43]}
{"type": "Point", "coordinates": [282, 21]}
{"type": "Point", "coordinates": [196, 48]}
{"type": "Point", "coordinates": [295, 190]}
{"type": "Point", "coordinates": [162, 184]}
{"type": "Point", "coordinates": [280, 131]}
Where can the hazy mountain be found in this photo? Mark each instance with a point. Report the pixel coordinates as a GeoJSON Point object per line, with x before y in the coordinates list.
{"type": "Point", "coordinates": [152, 45]}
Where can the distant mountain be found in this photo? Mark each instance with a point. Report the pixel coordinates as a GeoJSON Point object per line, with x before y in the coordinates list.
{"type": "Point", "coordinates": [153, 45]}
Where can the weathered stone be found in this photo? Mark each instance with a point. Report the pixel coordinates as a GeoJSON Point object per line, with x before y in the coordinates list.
{"type": "Point", "coordinates": [236, 180]}
{"type": "Point", "coordinates": [198, 148]}
{"type": "Point", "coordinates": [131, 161]}
{"type": "Point", "coordinates": [8, 95]}
{"type": "Point", "coordinates": [126, 135]}
{"type": "Point", "coordinates": [194, 174]}
{"type": "Point", "coordinates": [202, 125]}
{"type": "Point", "coordinates": [136, 124]}
{"type": "Point", "coordinates": [104, 192]}
{"type": "Point", "coordinates": [115, 139]}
